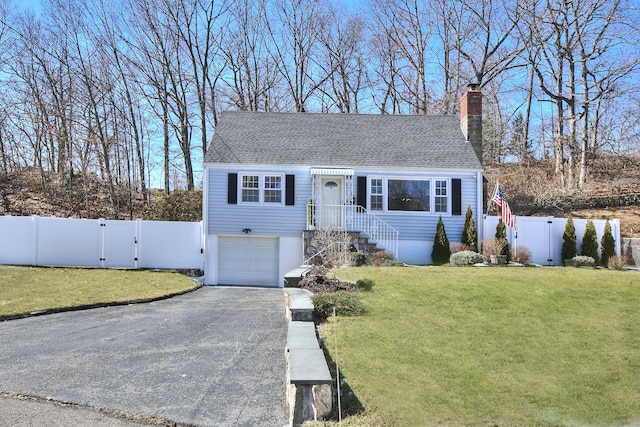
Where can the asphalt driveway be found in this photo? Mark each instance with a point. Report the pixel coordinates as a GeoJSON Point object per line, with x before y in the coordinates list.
{"type": "Point", "coordinates": [212, 357]}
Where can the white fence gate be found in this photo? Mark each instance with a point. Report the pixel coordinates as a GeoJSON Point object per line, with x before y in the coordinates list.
{"type": "Point", "coordinates": [53, 241]}
{"type": "Point", "coordinates": [543, 235]}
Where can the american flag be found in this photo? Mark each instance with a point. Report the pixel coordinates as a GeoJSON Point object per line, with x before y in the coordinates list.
{"type": "Point", "coordinates": [505, 211]}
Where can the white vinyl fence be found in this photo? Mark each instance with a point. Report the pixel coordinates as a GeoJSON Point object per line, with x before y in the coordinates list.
{"type": "Point", "coordinates": [543, 235]}
{"type": "Point", "coordinates": [52, 241]}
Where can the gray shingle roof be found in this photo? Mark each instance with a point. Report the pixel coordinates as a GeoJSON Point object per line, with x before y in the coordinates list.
{"type": "Point", "coordinates": [341, 140]}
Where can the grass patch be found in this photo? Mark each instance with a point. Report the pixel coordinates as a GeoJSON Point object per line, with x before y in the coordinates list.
{"type": "Point", "coordinates": [527, 347]}
{"type": "Point", "coordinates": [26, 290]}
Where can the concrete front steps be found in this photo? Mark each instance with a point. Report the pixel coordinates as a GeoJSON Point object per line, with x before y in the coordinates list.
{"type": "Point", "coordinates": [309, 382]}
{"type": "Point", "coordinates": [360, 242]}
{"type": "Point", "coordinates": [292, 278]}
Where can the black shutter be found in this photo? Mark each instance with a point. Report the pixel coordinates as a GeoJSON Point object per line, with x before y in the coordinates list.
{"type": "Point", "coordinates": [456, 196]}
{"type": "Point", "coordinates": [362, 192]}
{"type": "Point", "coordinates": [290, 190]}
{"type": "Point", "coordinates": [232, 189]}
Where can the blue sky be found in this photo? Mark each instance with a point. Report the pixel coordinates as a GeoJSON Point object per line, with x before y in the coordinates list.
{"type": "Point", "coordinates": [35, 5]}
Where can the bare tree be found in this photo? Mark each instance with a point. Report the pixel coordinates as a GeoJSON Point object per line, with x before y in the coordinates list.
{"type": "Point", "coordinates": [404, 27]}
{"type": "Point", "coordinates": [152, 50]}
{"type": "Point", "coordinates": [294, 30]}
{"type": "Point", "coordinates": [491, 45]}
{"type": "Point", "coordinates": [196, 21]}
{"type": "Point", "coordinates": [451, 30]}
{"type": "Point", "coordinates": [110, 27]}
{"type": "Point", "coordinates": [253, 76]}
{"type": "Point", "coordinates": [573, 51]}
{"type": "Point", "coordinates": [344, 62]}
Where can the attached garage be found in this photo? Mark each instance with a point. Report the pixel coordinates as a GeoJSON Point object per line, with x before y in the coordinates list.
{"type": "Point", "coordinates": [248, 261]}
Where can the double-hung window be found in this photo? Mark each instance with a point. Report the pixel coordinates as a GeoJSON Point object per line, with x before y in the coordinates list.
{"type": "Point", "coordinates": [272, 185]}
{"type": "Point", "coordinates": [376, 194]}
{"type": "Point", "coordinates": [251, 188]}
{"type": "Point", "coordinates": [256, 188]}
{"type": "Point", "coordinates": [441, 196]}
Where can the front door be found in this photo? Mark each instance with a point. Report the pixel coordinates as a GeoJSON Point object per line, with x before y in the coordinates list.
{"type": "Point", "coordinates": [332, 208]}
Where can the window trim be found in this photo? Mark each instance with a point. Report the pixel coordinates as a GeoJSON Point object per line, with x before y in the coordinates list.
{"type": "Point", "coordinates": [262, 189]}
{"type": "Point", "coordinates": [432, 195]}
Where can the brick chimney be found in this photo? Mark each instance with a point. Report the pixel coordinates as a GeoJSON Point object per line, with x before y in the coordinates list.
{"type": "Point", "coordinates": [471, 117]}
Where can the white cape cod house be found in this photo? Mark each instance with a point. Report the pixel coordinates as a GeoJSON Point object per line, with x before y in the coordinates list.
{"type": "Point", "coordinates": [268, 177]}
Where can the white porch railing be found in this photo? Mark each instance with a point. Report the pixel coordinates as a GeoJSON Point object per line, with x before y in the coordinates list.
{"type": "Point", "coordinates": [354, 218]}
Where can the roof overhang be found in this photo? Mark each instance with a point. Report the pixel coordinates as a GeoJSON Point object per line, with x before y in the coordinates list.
{"type": "Point", "coordinates": [332, 172]}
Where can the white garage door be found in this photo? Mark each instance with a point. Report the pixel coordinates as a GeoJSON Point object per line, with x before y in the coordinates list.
{"type": "Point", "coordinates": [249, 261]}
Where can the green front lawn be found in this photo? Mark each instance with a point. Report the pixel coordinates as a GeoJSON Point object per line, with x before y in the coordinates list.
{"type": "Point", "coordinates": [485, 346]}
{"type": "Point", "coordinates": [25, 289]}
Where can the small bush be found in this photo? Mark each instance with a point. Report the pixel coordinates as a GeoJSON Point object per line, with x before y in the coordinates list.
{"type": "Point", "coordinates": [346, 304]}
{"type": "Point", "coordinates": [365, 285]}
{"type": "Point", "coordinates": [393, 263]}
{"type": "Point", "coordinates": [378, 259]}
{"type": "Point", "coordinates": [357, 259]}
{"type": "Point", "coordinates": [180, 205]}
{"type": "Point", "coordinates": [466, 258]}
{"type": "Point", "coordinates": [584, 261]}
{"type": "Point", "coordinates": [492, 247]}
{"type": "Point", "coordinates": [616, 262]}
{"type": "Point", "coordinates": [459, 247]}
{"type": "Point", "coordinates": [522, 255]}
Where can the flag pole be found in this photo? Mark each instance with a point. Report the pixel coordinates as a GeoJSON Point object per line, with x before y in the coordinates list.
{"type": "Point", "coordinates": [495, 191]}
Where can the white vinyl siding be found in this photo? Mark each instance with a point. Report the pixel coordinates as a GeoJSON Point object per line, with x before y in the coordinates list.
{"type": "Point", "coordinates": [263, 219]}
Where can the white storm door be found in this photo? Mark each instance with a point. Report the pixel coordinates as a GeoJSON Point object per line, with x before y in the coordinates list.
{"type": "Point", "coordinates": [332, 189]}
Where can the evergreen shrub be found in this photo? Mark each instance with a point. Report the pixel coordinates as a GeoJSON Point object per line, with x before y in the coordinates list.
{"type": "Point", "coordinates": [441, 249]}
{"type": "Point", "coordinates": [357, 259]}
{"type": "Point", "coordinates": [590, 242]}
{"type": "Point", "coordinates": [346, 304]}
{"type": "Point", "coordinates": [470, 234]}
{"type": "Point", "coordinates": [365, 285]}
{"type": "Point", "coordinates": [607, 244]}
{"type": "Point", "coordinates": [584, 261]}
{"type": "Point", "coordinates": [466, 258]}
{"type": "Point", "coordinates": [569, 245]}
